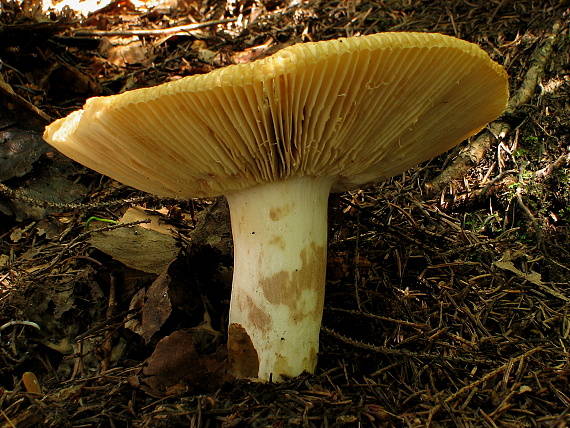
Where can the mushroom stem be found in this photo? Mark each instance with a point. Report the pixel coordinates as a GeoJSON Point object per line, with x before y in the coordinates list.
{"type": "Point", "coordinates": [280, 237]}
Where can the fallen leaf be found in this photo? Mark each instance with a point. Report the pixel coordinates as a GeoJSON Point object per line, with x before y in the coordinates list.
{"type": "Point", "coordinates": [19, 149]}
{"type": "Point", "coordinates": [31, 383]}
{"type": "Point", "coordinates": [18, 233]}
{"type": "Point", "coordinates": [138, 247]}
{"type": "Point", "coordinates": [533, 277]}
{"type": "Point", "coordinates": [173, 297]}
{"type": "Point", "coordinates": [137, 302]}
{"type": "Point", "coordinates": [122, 51]}
{"type": "Point", "coordinates": [213, 228]}
{"type": "Point", "coordinates": [157, 307]}
{"type": "Point", "coordinates": [506, 264]}
{"type": "Point", "coordinates": [138, 213]}
{"type": "Point", "coordinates": [177, 365]}
{"type": "Point", "coordinates": [4, 259]}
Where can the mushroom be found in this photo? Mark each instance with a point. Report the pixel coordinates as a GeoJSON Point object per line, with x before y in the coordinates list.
{"type": "Point", "coordinates": [275, 137]}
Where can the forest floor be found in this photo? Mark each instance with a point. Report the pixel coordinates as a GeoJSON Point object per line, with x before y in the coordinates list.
{"type": "Point", "coordinates": [448, 287]}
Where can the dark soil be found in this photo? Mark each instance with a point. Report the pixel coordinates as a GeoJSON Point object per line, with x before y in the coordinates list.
{"type": "Point", "coordinates": [447, 307]}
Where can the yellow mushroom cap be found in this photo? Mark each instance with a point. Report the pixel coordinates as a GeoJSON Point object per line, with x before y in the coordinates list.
{"type": "Point", "coordinates": [356, 109]}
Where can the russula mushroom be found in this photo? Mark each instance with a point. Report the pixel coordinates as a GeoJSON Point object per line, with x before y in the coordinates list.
{"type": "Point", "coordinates": [275, 137]}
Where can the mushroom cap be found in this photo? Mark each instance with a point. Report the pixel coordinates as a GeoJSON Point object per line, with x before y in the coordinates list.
{"type": "Point", "coordinates": [356, 109]}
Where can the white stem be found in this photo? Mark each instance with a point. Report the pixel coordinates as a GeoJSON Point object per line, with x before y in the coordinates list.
{"type": "Point", "coordinates": [280, 244]}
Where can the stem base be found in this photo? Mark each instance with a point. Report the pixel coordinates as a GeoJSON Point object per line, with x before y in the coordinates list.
{"type": "Point", "coordinates": [280, 236]}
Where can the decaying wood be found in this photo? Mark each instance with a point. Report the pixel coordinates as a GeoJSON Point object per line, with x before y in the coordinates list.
{"type": "Point", "coordinates": [563, 159]}
{"type": "Point", "coordinates": [474, 152]}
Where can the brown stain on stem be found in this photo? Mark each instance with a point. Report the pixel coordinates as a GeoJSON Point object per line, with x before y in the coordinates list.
{"type": "Point", "coordinates": [278, 213]}
{"type": "Point", "coordinates": [260, 320]}
{"type": "Point", "coordinates": [285, 287]}
{"type": "Point", "coordinates": [242, 356]}
{"type": "Point", "coordinates": [278, 241]}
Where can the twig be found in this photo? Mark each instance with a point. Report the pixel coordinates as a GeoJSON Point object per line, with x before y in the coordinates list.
{"type": "Point", "coordinates": [399, 352]}
{"type": "Point", "coordinates": [530, 215]}
{"type": "Point", "coordinates": [492, 16]}
{"type": "Point", "coordinates": [105, 229]}
{"type": "Point", "coordinates": [179, 30]}
{"type": "Point", "coordinates": [473, 385]}
{"type": "Point", "coordinates": [22, 197]}
{"type": "Point", "coordinates": [496, 179]}
{"type": "Point", "coordinates": [491, 374]}
{"type": "Point", "coordinates": [8, 420]}
{"type": "Point", "coordinates": [475, 152]}
{"type": "Point", "coordinates": [107, 345]}
{"type": "Point", "coordinates": [380, 317]}
{"type": "Point", "coordinates": [526, 209]}
{"type": "Point", "coordinates": [356, 262]}
{"type": "Point", "coordinates": [538, 61]}
{"type": "Point", "coordinates": [11, 323]}
{"type": "Point", "coordinates": [7, 90]}
{"type": "Point", "coordinates": [543, 173]}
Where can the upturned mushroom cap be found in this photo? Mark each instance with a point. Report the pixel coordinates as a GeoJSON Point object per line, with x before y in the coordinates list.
{"type": "Point", "coordinates": [356, 109]}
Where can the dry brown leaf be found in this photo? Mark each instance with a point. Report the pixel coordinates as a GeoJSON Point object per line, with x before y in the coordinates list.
{"type": "Point", "coordinates": [177, 365]}
{"type": "Point", "coordinates": [157, 307]}
{"type": "Point", "coordinates": [123, 51]}
{"type": "Point", "coordinates": [506, 264]}
{"type": "Point", "coordinates": [149, 249]}
{"type": "Point", "coordinates": [138, 213]}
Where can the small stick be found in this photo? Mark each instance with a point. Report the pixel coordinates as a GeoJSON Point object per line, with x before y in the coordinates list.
{"type": "Point", "coordinates": [496, 179]}
{"type": "Point", "coordinates": [526, 209]}
{"type": "Point", "coordinates": [473, 385]}
{"type": "Point", "coordinates": [23, 197]}
{"type": "Point", "coordinates": [398, 352]}
{"type": "Point", "coordinates": [380, 317]}
{"type": "Point", "coordinates": [8, 420]}
{"type": "Point", "coordinates": [107, 346]}
{"type": "Point", "coordinates": [11, 323]}
{"type": "Point", "coordinates": [179, 30]}
{"type": "Point", "coordinates": [356, 262]}
{"type": "Point", "coordinates": [491, 374]}
{"type": "Point", "coordinates": [535, 223]}
{"type": "Point", "coordinates": [543, 173]}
